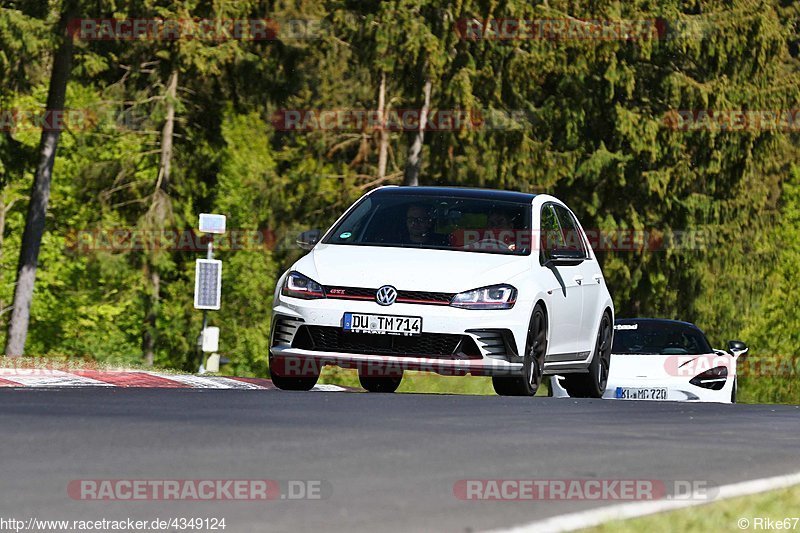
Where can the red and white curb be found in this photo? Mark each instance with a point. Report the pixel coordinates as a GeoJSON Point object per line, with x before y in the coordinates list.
{"type": "Point", "coordinates": [47, 378]}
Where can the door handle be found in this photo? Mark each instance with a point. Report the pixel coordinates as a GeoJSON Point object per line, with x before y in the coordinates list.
{"type": "Point", "coordinates": [578, 279]}
{"type": "Point", "coordinates": [598, 278]}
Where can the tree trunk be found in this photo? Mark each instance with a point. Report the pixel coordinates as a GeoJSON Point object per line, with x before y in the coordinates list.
{"type": "Point", "coordinates": [152, 276]}
{"type": "Point", "coordinates": [2, 226]}
{"type": "Point", "coordinates": [414, 162]}
{"type": "Point", "coordinates": [40, 193]}
{"type": "Point", "coordinates": [166, 133]}
{"type": "Point", "coordinates": [149, 335]}
{"type": "Point", "coordinates": [2, 235]}
{"type": "Point", "coordinates": [383, 135]}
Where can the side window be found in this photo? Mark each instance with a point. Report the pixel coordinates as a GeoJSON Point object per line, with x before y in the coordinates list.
{"type": "Point", "coordinates": [550, 236]}
{"type": "Point", "coordinates": [573, 237]}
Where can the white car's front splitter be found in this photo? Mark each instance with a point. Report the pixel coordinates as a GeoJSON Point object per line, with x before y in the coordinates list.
{"type": "Point", "coordinates": [377, 364]}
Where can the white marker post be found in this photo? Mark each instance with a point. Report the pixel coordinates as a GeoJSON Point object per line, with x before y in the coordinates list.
{"type": "Point", "coordinates": [208, 289]}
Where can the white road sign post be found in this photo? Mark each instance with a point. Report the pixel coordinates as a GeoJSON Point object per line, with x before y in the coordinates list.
{"type": "Point", "coordinates": [208, 288]}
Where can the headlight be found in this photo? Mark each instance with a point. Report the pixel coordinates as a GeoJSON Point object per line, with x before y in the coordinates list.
{"type": "Point", "coordinates": [494, 297]}
{"type": "Point", "coordinates": [297, 285]}
{"type": "Point", "coordinates": [713, 378]}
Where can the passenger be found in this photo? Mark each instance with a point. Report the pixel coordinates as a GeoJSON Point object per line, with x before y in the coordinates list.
{"type": "Point", "coordinates": [501, 227]}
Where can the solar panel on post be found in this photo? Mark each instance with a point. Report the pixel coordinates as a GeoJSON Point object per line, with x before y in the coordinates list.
{"type": "Point", "coordinates": [207, 284]}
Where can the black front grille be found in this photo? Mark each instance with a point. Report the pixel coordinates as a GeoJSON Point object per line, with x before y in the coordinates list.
{"type": "Point", "coordinates": [417, 297]}
{"type": "Point", "coordinates": [350, 292]}
{"type": "Point", "coordinates": [333, 339]}
{"type": "Point", "coordinates": [424, 297]}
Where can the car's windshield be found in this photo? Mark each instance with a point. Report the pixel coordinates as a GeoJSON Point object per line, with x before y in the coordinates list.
{"type": "Point", "coordinates": [437, 222]}
{"type": "Point", "coordinates": [656, 337]}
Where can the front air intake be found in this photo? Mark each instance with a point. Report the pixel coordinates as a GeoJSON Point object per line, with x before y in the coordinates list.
{"type": "Point", "coordinates": [496, 343]}
{"type": "Point", "coordinates": [284, 330]}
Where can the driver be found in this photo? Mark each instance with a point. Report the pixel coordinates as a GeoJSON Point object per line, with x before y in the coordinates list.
{"type": "Point", "coordinates": [498, 220]}
{"type": "Point", "coordinates": [419, 223]}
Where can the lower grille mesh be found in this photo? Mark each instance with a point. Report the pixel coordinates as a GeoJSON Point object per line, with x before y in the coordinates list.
{"type": "Point", "coordinates": [333, 339]}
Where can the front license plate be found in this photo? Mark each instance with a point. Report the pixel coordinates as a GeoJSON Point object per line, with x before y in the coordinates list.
{"type": "Point", "coordinates": [651, 393]}
{"type": "Point", "coordinates": [382, 324]}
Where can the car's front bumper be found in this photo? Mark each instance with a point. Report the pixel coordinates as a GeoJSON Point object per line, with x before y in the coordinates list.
{"type": "Point", "coordinates": [677, 390]}
{"type": "Point", "coordinates": [485, 328]}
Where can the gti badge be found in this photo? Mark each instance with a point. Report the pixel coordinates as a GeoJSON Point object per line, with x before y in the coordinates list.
{"type": "Point", "coordinates": [386, 295]}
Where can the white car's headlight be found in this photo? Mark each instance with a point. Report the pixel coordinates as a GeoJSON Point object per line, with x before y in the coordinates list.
{"type": "Point", "coordinates": [494, 297]}
{"type": "Point", "coordinates": [297, 285]}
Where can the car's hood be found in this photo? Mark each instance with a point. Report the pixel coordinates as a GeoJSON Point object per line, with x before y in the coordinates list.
{"type": "Point", "coordinates": [654, 366]}
{"type": "Point", "coordinates": [408, 268]}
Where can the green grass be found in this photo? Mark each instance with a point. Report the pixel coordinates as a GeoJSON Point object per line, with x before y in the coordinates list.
{"type": "Point", "coordinates": [68, 364]}
{"type": "Point", "coordinates": [422, 382]}
{"type": "Point", "coordinates": [769, 390]}
{"type": "Point", "coordinates": [720, 516]}
{"type": "Point", "coordinates": [77, 364]}
{"type": "Point", "coordinates": [769, 379]}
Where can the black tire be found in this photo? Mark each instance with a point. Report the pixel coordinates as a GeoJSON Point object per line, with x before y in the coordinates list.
{"type": "Point", "coordinates": [298, 383]}
{"type": "Point", "coordinates": [593, 384]}
{"type": "Point", "coordinates": [735, 390]}
{"type": "Point", "coordinates": [532, 362]}
{"type": "Point", "coordinates": [380, 383]}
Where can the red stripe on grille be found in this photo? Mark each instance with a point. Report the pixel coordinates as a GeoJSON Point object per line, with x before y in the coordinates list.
{"type": "Point", "coordinates": [357, 293]}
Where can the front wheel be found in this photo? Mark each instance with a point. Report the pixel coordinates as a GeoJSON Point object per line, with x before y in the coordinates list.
{"type": "Point", "coordinates": [286, 375]}
{"type": "Point", "coordinates": [593, 384]}
{"type": "Point", "coordinates": [532, 362]}
{"type": "Point", "coordinates": [380, 383]}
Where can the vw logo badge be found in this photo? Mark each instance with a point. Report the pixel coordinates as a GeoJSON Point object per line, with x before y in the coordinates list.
{"type": "Point", "coordinates": [386, 295]}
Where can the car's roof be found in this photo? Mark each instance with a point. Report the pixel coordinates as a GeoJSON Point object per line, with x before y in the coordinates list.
{"type": "Point", "coordinates": [665, 321]}
{"type": "Point", "coordinates": [459, 192]}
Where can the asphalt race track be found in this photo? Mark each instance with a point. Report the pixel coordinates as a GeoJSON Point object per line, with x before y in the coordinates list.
{"type": "Point", "coordinates": [388, 462]}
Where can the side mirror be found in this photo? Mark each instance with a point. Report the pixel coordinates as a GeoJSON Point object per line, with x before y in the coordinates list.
{"type": "Point", "coordinates": [566, 257]}
{"type": "Point", "coordinates": [737, 348]}
{"type": "Point", "coordinates": [308, 239]}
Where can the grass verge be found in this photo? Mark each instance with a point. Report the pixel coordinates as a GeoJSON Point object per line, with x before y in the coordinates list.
{"type": "Point", "coordinates": [423, 382]}
{"type": "Point", "coordinates": [748, 513]}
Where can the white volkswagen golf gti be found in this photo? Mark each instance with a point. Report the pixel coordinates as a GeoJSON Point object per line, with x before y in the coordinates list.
{"type": "Point", "coordinates": [446, 280]}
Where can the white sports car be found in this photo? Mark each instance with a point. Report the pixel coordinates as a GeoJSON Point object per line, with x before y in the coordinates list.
{"type": "Point", "coordinates": [657, 359]}
{"type": "Point", "coordinates": [446, 280]}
